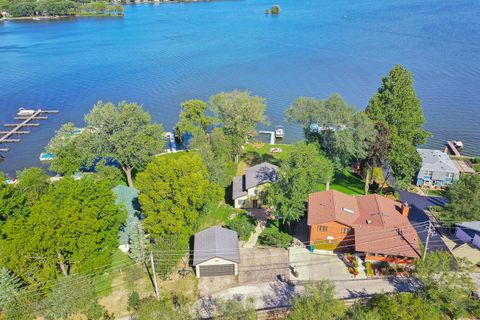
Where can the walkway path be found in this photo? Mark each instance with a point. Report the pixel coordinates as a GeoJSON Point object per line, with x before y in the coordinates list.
{"type": "Point", "coordinates": [254, 237]}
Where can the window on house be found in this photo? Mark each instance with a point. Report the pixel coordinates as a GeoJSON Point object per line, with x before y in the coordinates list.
{"type": "Point", "coordinates": [322, 228]}
{"type": "Point", "coordinates": [345, 230]}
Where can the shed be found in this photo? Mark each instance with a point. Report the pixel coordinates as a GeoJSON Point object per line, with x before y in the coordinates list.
{"type": "Point", "coordinates": [216, 252]}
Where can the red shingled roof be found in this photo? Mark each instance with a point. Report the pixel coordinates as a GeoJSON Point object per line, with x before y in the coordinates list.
{"type": "Point", "coordinates": [378, 223]}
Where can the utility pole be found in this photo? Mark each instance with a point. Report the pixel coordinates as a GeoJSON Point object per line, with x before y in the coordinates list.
{"type": "Point", "coordinates": [154, 277]}
{"type": "Point", "coordinates": [430, 231]}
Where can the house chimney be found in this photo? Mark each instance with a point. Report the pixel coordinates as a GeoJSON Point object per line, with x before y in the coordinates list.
{"type": "Point", "coordinates": [405, 209]}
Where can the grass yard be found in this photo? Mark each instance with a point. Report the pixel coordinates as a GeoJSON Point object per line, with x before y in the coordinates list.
{"type": "Point", "coordinates": [435, 193]}
{"type": "Point", "coordinates": [214, 215]}
{"type": "Point", "coordinates": [347, 183]}
{"type": "Point", "coordinates": [260, 152]}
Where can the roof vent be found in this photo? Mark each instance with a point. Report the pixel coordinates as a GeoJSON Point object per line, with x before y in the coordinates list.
{"type": "Point", "coordinates": [369, 221]}
{"type": "Point", "coordinates": [348, 210]}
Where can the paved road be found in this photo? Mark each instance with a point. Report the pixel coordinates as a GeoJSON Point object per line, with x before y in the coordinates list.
{"type": "Point", "coordinates": [418, 205]}
{"type": "Point", "coordinates": [276, 294]}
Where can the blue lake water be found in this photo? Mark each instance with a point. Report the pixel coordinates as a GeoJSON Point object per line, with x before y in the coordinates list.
{"type": "Point", "coordinates": [161, 55]}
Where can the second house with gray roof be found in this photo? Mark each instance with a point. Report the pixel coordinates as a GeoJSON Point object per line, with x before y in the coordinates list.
{"type": "Point", "coordinates": [437, 170]}
{"type": "Point", "coordinates": [246, 188]}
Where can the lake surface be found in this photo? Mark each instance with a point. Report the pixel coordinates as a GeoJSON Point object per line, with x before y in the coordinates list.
{"type": "Point", "coordinates": [161, 55]}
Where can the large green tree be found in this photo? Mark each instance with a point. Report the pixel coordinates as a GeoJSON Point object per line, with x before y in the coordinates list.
{"type": "Point", "coordinates": [72, 228]}
{"type": "Point", "coordinates": [397, 105]}
{"type": "Point", "coordinates": [70, 295]}
{"type": "Point", "coordinates": [193, 118]}
{"type": "Point", "coordinates": [303, 172]}
{"type": "Point", "coordinates": [239, 112]}
{"type": "Point", "coordinates": [447, 283]}
{"type": "Point", "coordinates": [173, 193]}
{"type": "Point", "coordinates": [342, 132]}
{"type": "Point", "coordinates": [216, 154]}
{"type": "Point", "coordinates": [377, 152]}
{"type": "Point", "coordinates": [464, 199]}
{"type": "Point", "coordinates": [33, 182]}
{"type": "Point", "coordinates": [125, 133]}
{"type": "Point", "coordinates": [318, 302]}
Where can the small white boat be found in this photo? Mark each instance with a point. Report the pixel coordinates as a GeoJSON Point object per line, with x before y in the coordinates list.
{"type": "Point", "coordinates": [458, 144]}
{"type": "Point", "coordinates": [25, 112]}
{"type": "Point", "coordinates": [279, 133]}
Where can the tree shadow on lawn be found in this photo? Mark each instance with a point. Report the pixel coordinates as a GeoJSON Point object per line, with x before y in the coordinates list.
{"type": "Point", "coordinates": [347, 182]}
{"type": "Point", "coordinates": [253, 157]}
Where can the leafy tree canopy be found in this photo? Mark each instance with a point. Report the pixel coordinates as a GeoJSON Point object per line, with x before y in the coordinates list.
{"type": "Point", "coordinates": [72, 228]}
{"type": "Point", "coordinates": [193, 118]}
{"type": "Point", "coordinates": [125, 133]}
{"type": "Point", "coordinates": [173, 192]}
{"type": "Point", "coordinates": [397, 105]}
{"type": "Point", "coordinates": [239, 112]}
{"type": "Point", "coordinates": [33, 182]}
{"type": "Point", "coordinates": [464, 199]}
{"type": "Point", "coordinates": [318, 302]}
{"type": "Point", "coordinates": [342, 131]}
{"type": "Point", "coordinates": [303, 172]}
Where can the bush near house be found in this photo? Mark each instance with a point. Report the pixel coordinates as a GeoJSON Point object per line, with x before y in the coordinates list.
{"type": "Point", "coordinates": [243, 225]}
{"type": "Point", "coordinates": [272, 236]}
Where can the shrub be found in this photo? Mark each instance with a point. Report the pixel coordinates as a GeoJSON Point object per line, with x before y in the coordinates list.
{"type": "Point", "coordinates": [476, 167]}
{"type": "Point", "coordinates": [369, 269]}
{"type": "Point", "coordinates": [273, 237]}
{"type": "Point", "coordinates": [133, 301]}
{"type": "Point", "coordinates": [243, 225]}
{"type": "Point", "coordinates": [275, 9]}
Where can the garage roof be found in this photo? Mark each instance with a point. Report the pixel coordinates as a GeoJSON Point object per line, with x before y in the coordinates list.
{"type": "Point", "coordinates": [216, 242]}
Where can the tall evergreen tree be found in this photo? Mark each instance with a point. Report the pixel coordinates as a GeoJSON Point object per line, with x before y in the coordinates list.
{"type": "Point", "coordinates": [397, 105]}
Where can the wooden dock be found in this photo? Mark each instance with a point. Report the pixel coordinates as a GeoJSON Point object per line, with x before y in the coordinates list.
{"type": "Point", "coordinates": [10, 136]}
{"type": "Point", "coordinates": [451, 147]}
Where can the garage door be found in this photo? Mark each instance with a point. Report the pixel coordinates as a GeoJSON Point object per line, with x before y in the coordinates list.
{"type": "Point", "coordinates": [217, 270]}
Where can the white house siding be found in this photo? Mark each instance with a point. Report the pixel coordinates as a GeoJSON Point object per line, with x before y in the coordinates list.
{"type": "Point", "coordinates": [212, 262]}
{"type": "Point", "coordinates": [476, 241]}
{"type": "Point", "coordinates": [246, 202]}
{"type": "Point", "coordinates": [462, 235]}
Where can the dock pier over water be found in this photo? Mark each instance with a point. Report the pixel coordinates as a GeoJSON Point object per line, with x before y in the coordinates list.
{"type": "Point", "coordinates": [26, 117]}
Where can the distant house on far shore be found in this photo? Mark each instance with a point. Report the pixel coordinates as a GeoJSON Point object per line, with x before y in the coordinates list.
{"type": "Point", "coordinates": [437, 170]}
{"type": "Point", "coordinates": [246, 188]}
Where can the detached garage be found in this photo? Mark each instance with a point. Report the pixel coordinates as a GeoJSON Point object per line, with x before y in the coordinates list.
{"type": "Point", "coordinates": [216, 252]}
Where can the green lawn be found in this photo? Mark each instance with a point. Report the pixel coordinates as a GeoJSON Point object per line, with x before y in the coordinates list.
{"type": "Point", "coordinates": [347, 183]}
{"type": "Point", "coordinates": [259, 152]}
{"type": "Point", "coordinates": [435, 193]}
{"type": "Point", "coordinates": [214, 215]}
{"type": "Point", "coordinates": [120, 263]}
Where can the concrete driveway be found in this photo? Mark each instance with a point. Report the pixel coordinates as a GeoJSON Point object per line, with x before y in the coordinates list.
{"type": "Point", "coordinates": [314, 266]}
{"type": "Point", "coordinates": [262, 264]}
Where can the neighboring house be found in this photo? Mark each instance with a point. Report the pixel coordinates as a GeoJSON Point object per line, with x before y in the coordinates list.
{"type": "Point", "coordinates": [468, 232]}
{"type": "Point", "coordinates": [216, 252]}
{"type": "Point", "coordinates": [437, 170]}
{"type": "Point", "coordinates": [246, 188]}
{"type": "Point", "coordinates": [372, 225]}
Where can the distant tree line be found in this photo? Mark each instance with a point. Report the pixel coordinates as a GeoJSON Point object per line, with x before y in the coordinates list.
{"type": "Point", "coordinates": [31, 8]}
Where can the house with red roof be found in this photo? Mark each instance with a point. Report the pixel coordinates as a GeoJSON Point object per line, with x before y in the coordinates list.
{"type": "Point", "coordinates": [372, 225]}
